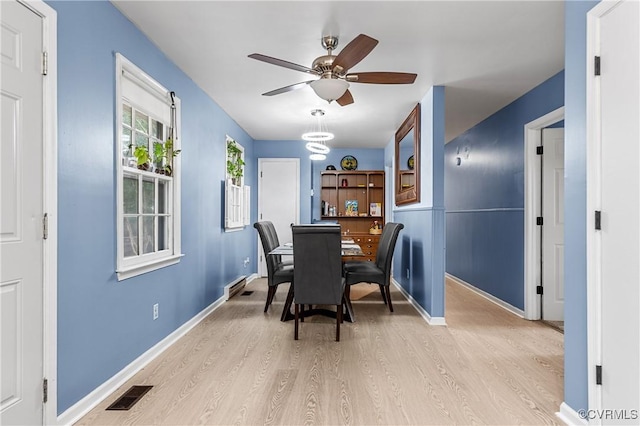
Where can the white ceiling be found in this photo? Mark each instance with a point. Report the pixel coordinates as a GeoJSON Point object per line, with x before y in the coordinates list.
{"type": "Point", "coordinates": [486, 54]}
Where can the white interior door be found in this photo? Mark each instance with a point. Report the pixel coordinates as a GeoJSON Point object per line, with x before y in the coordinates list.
{"type": "Point", "coordinates": [21, 215]}
{"type": "Point", "coordinates": [553, 227]}
{"type": "Point", "coordinates": [620, 206]}
{"type": "Point", "coordinates": [278, 198]}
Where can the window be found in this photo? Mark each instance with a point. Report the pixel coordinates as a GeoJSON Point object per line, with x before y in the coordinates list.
{"type": "Point", "coordinates": [237, 195]}
{"type": "Point", "coordinates": [148, 193]}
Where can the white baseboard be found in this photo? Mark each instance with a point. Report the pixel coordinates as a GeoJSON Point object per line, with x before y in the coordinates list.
{"type": "Point", "coordinates": [423, 313]}
{"type": "Point", "coordinates": [86, 404]}
{"type": "Point", "coordinates": [489, 297]}
{"type": "Point", "coordinates": [570, 417]}
{"type": "Point", "coordinates": [252, 277]}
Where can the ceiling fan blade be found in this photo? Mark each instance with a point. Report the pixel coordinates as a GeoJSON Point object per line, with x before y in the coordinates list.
{"type": "Point", "coordinates": [287, 88]}
{"type": "Point", "coordinates": [382, 77]}
{"type": "Point", "coordinates": [354, 52]}
{"type": "Point", "coordinates": [282, 63]}
{"type": "Point", "coordinates": [345, 99]}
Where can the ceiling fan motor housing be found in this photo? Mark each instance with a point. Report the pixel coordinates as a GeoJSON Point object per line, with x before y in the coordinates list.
{"type": "Point", "coordinates": [324, 66]}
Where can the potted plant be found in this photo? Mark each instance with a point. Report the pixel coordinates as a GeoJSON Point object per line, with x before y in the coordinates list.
{"type": "Point", "coordinates": [234, 162]}
{"type": "Point", "coordinates": [163, 153]}
{"type": "Point", "coordinates": [142, 156]}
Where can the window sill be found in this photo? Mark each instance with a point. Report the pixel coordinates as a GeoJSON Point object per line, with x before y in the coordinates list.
{"type": "Point", "coordinates": [143, 268]}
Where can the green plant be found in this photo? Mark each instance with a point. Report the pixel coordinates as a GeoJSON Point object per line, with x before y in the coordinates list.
{"type": "Point", "coordinates": [163, 153]}
{"type": "Point", "coordinates": [142, 156]}
{"type": "Point", "coordinates": [234, 160]}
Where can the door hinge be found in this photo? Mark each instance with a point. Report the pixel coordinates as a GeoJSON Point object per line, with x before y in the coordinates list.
{"type": "Point", "coordinates": [598, 374]}
{"type": "Point", "coordinates": [45, 226]}
{"type": "Point", "coordinates": [539, 150]}
{"type": "Point", "coordinates": [596, 65]}
{"type": "Point", "coordinates": [45, 63]}
{"type": "Point", "coordinates": [45, 390]}
{"type": "Point", "coordinates": [260, 174]}
{"type": "Point", "coordinates": [598, 220]}
{"type": "Point", "coordinates": [539, 221]}
{"type": "Point", "coordinates": [539, 290]}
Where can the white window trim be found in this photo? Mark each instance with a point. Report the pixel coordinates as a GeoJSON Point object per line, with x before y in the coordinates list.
{"type": "Point", "coordinates": [239, 195]}
{"type": "Point", "coordinates": [131, 267]}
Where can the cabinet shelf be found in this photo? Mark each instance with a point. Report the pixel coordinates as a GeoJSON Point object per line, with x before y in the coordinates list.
{"type": "Point", "coordinates": [360, 190]}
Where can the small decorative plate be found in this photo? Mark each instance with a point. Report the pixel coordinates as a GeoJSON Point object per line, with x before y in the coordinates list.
{"type": "Point", "coordinates": [410, 163]}
{"type": "Point", "coordinates": [349, 162]}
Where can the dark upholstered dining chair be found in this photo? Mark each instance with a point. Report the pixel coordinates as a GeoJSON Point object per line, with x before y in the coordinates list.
{"type": "Point", "coordinates": [271, 229]}
{"type": "Point", "coordinates": [277, 271]}
{"type": "Point", "coordinates": [378, 272]}
{"type": "Point", "coordinates": [317, 269]}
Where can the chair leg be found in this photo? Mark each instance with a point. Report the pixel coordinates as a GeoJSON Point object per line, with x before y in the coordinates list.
{"type": "Point", "coordinates": [295, 327]}
{"type": "Point", "coordinates": [338, 321]}
{"type": "Point", "coordinates": [389, 299]}
{"type": "Point", "coordinates": [302, 312]}
{"type": "Point", "coordinates": [383, 293]}
{"type": "Point", "coordinates": [287, 305]}
{"type": "Point", "coordinates": [270, 293]}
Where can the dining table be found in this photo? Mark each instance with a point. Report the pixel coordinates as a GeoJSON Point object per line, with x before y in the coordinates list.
{"type": "Point", "coordinates": [349, 248]}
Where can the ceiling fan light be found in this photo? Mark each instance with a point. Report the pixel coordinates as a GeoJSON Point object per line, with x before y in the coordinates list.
{"type": "Point", "coordinates": [329, 89]}
{"type": "Point", "coordinates": [317, 157]}
{"type": "Point", "coordinates": [318, 147]}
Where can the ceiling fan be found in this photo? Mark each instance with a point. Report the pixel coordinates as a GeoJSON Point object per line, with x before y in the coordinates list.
{"type": "Point", "coordinates": [333, 83]}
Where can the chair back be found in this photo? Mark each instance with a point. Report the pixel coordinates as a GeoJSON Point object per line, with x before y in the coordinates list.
{"type": "Point", "coordinates": [387, 245]}
{"type": "Point", "coordinates": [268, 244]}
{"type": "Point", "coordinates": [317, 264]}
{"type": "Point", "coordinates": [273, 235]}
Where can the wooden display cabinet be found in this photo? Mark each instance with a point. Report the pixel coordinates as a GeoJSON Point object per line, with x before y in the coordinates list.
{"type": "Point", "coordinates": [349, 195]}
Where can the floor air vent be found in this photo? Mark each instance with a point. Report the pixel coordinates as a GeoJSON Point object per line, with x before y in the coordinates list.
{"type": "Point", "coordinates": [246, 293]}
{"type": "Point", "coordinates": [234, 287]}
{"type": "Point", "coordinates": [129, 398]}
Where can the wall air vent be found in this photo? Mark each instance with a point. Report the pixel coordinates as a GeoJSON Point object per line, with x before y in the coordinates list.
{"type": "Point", "coordinates": [129, 398]}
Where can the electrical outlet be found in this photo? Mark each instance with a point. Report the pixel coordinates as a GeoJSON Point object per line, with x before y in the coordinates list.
{"type": "Point", "coordinates": [155, 311]}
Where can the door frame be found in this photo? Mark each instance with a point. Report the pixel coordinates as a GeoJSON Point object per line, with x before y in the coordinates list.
{"type": "Point", "coordinates": [50, 204]}
{"type": "Point", "coordinates": [594, 202]}
{"type": "Point", "coordinates": [533, 209]}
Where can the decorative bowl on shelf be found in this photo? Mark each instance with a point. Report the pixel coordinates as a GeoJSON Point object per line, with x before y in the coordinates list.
{"type": "Point", "coordinates": [375, 231]}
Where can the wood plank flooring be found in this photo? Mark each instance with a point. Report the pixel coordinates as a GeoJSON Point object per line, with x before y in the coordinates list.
{"type": "Point", "coordinates": [241, 366]}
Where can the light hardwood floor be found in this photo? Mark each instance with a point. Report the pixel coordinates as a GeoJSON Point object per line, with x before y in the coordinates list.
{"type": "Point", "coordinates": [240, 366]}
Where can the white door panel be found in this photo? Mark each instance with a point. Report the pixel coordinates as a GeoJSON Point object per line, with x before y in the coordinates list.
{"type": "Point", "coordinates": [21, 213]}
{"type": "Point", "coordinates": [278, 198]}
{"type": "Point", "coordinates": [553, 228]}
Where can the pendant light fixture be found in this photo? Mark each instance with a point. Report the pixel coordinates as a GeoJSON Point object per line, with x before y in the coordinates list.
{"type": "Point", "coordinates": [319, 134]}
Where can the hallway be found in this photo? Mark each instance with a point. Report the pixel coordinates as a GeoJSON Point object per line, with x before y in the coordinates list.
{"type": "Point", "coordinates": [240, 366]}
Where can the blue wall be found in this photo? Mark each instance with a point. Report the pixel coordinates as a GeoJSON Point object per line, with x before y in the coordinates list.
{"type": "Point", "coordinates": [103, 324]}
{"type": "Point", "coordinates": [484, 195]}
{"type": "Point", "coordinates": [575, 196]}
{"type": "Point", "coordinates": [418, 264]}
